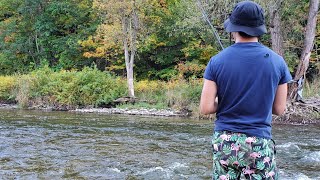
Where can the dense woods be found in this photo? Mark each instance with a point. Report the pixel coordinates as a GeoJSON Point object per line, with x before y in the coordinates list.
{"type": "Point", "coordinates": [166, 40]}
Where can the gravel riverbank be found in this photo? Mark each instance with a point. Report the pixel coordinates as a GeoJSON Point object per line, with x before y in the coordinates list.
{"type": "Point", "coordinates": [141, 111]}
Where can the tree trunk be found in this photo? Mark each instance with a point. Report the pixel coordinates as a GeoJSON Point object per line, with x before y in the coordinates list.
{"type": "Point", "coordinates": [308, 46]}
{"type": "Point", "coordinates": [275, 29]}
{"type": "Point", "coordinates": [130, 28]}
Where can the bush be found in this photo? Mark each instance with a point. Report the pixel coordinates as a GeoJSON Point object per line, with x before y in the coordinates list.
{"type": "Point", "coordinates": [7, 85]}
{"type": "Point", "coordinates": [177, 94]}
{"type": "Point", "coordinates": [89, 87]}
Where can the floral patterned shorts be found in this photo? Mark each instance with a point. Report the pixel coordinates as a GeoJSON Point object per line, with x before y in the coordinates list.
{"type": "Point", "coordinates": [236, 153]}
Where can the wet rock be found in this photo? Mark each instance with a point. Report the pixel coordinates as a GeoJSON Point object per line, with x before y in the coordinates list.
{"type": "Point", "coordinates": [142, 111]}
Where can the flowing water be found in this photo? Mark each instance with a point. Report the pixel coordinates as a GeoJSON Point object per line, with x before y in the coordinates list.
{"type": "Point", "coordinates": [61, 145]}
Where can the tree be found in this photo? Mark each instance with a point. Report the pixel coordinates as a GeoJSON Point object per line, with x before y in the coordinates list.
{"type": "Point", "coordinates": [310, 30]}
{"type": "Point", "coordinates": [38, 32]}
{"type": "Point", "coordinates": [275, 27]}
{"type": "Point", "coordinates": [121, 25]}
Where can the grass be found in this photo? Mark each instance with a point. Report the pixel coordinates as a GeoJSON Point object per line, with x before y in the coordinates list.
{"type": "Point", "coordinates": [312, 89]}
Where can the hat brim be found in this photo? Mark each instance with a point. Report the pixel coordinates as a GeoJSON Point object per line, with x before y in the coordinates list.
{"type": "Point", "coordinates": [253, 31]}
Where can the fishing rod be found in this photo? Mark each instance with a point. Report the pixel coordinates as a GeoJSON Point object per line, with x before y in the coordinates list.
{"type": "Point", "coordinates": [205, 16]}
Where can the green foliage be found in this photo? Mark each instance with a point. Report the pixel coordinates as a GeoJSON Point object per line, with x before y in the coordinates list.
{"type": "Point", "coordinates": [61, 37]}
{"type": "Point", "coordinates": [89, 87]}
{"type": "Point", "coordinates": [7, 85]}
{"type": "Point", "coordinates": [34, 31]}
{"type": "Point", "coordinates": [181, 38]}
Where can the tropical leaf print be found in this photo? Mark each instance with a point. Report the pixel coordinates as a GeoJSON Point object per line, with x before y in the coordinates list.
{"type": "Point", "coordinates": [242, 140]}
{"type": "Point", "coordinates": [216, 176]}
{"type": "Point", "coordinates": [234, 137]}
{"type": "Point", "coordinates": [260, 165]}
{"type": "Point", "coordinates": [241, 154]}
{"type": "Point", "coordinates": [257, 176]}
{"type": "Point", "coordinates": [262, 152]}
{"type": "Point", "coordinates": [226, 149]}
{"type": "Point", "coordinates": [232, 174]}
{"type": "Point", "coordinates": [232, 159]}
{"type": "Point", "coordinates": [267, 151]}
{"type": "Point", "coordinates": [242, 162]}
{"type": "Point", "coordinates": [236, 154]}
{"type": "Point", "coordinates": [257, 148]}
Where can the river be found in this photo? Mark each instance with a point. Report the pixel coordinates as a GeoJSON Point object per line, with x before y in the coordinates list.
{"type": "Point", "coordinates": [64, 145]}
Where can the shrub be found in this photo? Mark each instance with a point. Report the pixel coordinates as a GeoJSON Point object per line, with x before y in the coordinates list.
{"type": "Point", "coordinates": [7, 85]}
{"type": "Point", "coordinates": [89, 87]}
{"type": "Point", "coordinates": [23, 90]}
{"type": "Point", "coordinates": [178, 94]}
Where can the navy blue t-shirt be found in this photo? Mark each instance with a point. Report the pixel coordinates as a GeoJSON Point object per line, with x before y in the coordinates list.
{"type": "Point", "coordinates": [247, 76]}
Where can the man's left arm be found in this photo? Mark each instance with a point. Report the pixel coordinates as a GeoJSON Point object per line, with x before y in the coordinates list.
{"type": "Point", "coordinates": [208, 101]}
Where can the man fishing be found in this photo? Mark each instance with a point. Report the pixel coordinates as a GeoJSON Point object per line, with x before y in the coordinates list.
{"type": "Point", "coordinates": [244, 85]}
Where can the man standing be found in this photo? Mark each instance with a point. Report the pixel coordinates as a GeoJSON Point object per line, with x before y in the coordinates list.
{"type": "Point", "coordinates": [244, 85]}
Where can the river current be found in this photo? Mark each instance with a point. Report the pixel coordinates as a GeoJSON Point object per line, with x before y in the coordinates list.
{"type": "Point", "coordinates": [63, 145]}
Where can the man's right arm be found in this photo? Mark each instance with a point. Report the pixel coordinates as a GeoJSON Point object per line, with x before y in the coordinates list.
{"type": "Point", "coordinates": [280, 100]}
{"type": "Point", "coordinates": [208, 102]}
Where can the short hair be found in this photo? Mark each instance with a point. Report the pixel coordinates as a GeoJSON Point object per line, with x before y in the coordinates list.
{"type": "Point", "coordinates": [245, 35]}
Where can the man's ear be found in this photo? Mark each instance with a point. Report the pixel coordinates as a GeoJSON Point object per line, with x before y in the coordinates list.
{"type": "Point", "coordinates": [234, 36]}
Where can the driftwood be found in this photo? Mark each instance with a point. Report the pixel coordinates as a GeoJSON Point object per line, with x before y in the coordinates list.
{"type": "Point", "coordinates": [125, 100]}
{"type": "Point", "coordinates": [306, 111]}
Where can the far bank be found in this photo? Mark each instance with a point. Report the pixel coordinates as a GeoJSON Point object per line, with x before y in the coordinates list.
{"type": "Point", "coordinates": [91, 90]}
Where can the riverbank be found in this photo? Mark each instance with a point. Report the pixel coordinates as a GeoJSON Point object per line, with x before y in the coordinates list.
{"type": "Point", "coordinates": [141, 112]}
{"type": "Point", "coordinates": [303, 112]}
{"type": "Point", "coordinates": [307, 112]}
{"type": "Point", "coordinates": [93, 91]}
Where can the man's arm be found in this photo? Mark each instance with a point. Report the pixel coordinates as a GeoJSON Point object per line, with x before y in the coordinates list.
{"type": "Point", "coordinates": [280, 100]}
{"type": "Point", "coordinates": [208, 101]}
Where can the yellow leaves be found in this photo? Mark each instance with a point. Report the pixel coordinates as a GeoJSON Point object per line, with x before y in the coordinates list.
{"type": "Point", "coordinates": [88, 43]}
{"type": "Point", "coordinates": [109, 34]}
{"type": "Point", "coordinates": [92, 48]}
{"type": "Point", "coordinates": [9, 38]}
{"type": "Point", "coordinates": [7, 84]}
{"type": "Point", "coordinates": [148, 86]}
{"type": "Point", "coordinates": [115, 8]}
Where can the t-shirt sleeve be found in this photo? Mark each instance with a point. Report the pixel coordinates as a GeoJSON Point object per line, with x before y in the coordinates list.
{"type": "Point", "coordinates": [285, 74]}
{"type": "Point", "coordinates": [209, 73]}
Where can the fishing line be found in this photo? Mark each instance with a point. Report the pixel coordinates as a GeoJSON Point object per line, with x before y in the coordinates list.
{"type": "Point", "coordinates": [205, 16]}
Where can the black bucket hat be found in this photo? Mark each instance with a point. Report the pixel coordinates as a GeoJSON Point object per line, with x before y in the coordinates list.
{"type": "Point", "coordinates": [247, 17]}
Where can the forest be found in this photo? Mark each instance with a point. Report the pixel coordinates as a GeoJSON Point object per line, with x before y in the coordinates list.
{"type": "Point", "coordinates": [54, 51]}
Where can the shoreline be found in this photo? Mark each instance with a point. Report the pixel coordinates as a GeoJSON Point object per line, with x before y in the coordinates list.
{"type": "Point", "coordinates": [126, 111]}
{"type": "Point", "coordinates": [135, 112]}
{"type": "Point", "coordinates": [294, 117]}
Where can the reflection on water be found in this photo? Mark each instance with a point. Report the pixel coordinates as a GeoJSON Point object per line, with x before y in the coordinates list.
{"type": "Point", "coordinates": [56, 145]}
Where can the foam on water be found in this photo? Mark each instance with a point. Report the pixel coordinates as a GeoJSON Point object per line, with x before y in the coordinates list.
{"type": "Point", "coordinates": [292, 176]}
{"type": "Point", "coordinates": [290, 145]}
{"type": "Point", "coordinates": [115, 170]}
{"type": "Point", "coordinates": [152, 170]}
{"type": "Point", "coordinates": [177, 165]}
{"type": "Point", "coordinates": [168, 172]}
{"type": "Point", "coordinates": [313, 158]}
{"type": "Point", "coordinates": [302, 177]}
